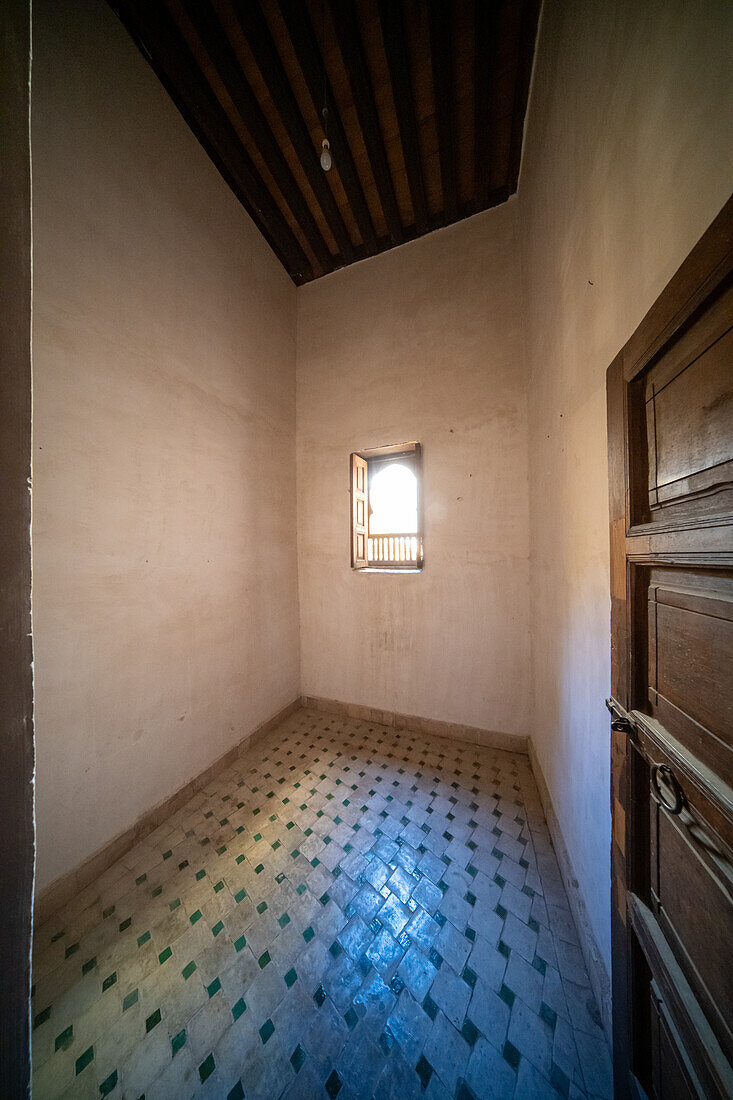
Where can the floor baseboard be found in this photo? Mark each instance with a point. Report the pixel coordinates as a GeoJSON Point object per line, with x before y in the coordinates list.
{"type": "Point", "coordinates": [594, 961]}
{"type": "Point", "coordinates": [64, 888]}
{"type": "Point", "coordinates": [432, 726]}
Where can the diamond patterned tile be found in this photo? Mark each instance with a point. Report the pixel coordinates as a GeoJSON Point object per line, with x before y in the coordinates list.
{"type": "Point", "coordinates": [348, 911]}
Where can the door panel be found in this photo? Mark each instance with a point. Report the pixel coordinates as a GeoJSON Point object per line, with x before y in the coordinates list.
{"type": "Point", "coordinates": [689, 415]}
{"type": "Point", "coordinates": [672, 1074]}
{"type": "Point", "coordinates": [670, 433]}
{"type": "Point", "coordinates": [688, 681]}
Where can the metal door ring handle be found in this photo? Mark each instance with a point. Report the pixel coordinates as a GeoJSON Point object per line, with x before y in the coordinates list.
{"type": "Point", "coordinates": [665, 772]}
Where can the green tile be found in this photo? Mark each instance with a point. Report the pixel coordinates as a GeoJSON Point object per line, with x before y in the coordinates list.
{"type": "Point", "coordinates": [164, 955]}
{"type": "Point", "coordinates": [207, 1067]}
{"type": "Point", "coordinates": [108, 1084]}
{"type": "Point", "coordinates": [140, 879]}
{"type": "Point", "coordinates": [109, 980]}
{"type": "Point", "coordinates": [259, 868]}
{"type": "Point", "coordinates": [240, 896]}
{"type": "Point", "coordinates": [174, 904]}
{"type": "Point", "coordinates": [195, 916]}
{"type": "Point", "coordinates": [200, 875]}
{"type": "Point", "coordinates": [143, 939]}
{"type": "Point", "coordinates": [275, 846]}
{"type": "Point", "coordinates": [213, 988]}
{"type": "Point", "coordinates": [301, 888]}
{"type": "Point", "coordinates": [219, 886]}
{"type": "Point", "coordinates": [240, 943]}
{"type": "Point", "coordinates": [153, 1020]}
{"type": "Point", "coordinates": [290, 978]}
{"type": "Point", "coordinates": [258, 836]}
{"type": "Point", "coordinates": [511, 1054]}
{"type": "Point", "coordinates": [89, 965]}
{"type": "Point", "coordinates": [263, 960]}
{"type": "Point", "coordinates": [65, 1039]}
{"type": "Point", "coordinates": [283, 920]}
{"type": "Point", "coordinates": [130, 1000]}
{"type": "Point", "coordinates": [325, 898]}
{"type": "Point", "coordinates": [261, 907]}
{"type": "Point", "coordinates": [41, 1017]}
{"type": "Point", "coordinates": [108, 912]}
{"type": "Point", "coordinates": [177, 1042]}
{"type": "Point", "coordinates": [266, 1031]}
{"type": "Point", "coordinates": [72, 950]}
{"type": "Point", "coordinates": [240, 859]}
{"type": "Point", "coordinates": [156, 892]}
{"type": "Point", "coordinates": [84, 1059]}
{"type": "Point", "coordinates": [168, 854]}
{"type": "Point", "coordinates": [295, 853]}
{"type": "Point", "coordinates": [297, 1058]}
{"type": "Point", "coordinates": [238, 1008]}
{"type": "Point", "coordinates": [188, 970]}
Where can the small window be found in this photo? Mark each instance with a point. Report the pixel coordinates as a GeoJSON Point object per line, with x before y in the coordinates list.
{"type": "Point", "coordinates": [386, 508]}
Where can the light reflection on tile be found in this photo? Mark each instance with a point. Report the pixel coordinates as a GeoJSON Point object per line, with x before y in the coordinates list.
{"type": "Point", "coordinates": [348, 910]}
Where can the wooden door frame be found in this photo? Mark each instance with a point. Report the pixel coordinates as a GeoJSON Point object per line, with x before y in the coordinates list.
{"type": "Point", "coordinates": [705, 269]}
{"type": "Point", "coordinates": [17, 836]}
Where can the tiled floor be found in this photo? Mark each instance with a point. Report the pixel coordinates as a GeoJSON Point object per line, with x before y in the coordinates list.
{"type": "Point", "coordinates": [348, 911]}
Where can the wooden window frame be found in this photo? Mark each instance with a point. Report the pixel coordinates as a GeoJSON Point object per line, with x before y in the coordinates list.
{"type": "Point", "coordinates": [372, 460]}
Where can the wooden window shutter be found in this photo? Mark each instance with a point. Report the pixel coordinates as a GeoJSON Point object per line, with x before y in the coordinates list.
{"type": "Point", "coordinates": [359, 512]}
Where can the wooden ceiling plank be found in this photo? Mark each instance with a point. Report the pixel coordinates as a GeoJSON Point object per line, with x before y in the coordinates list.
{"type": "Point", "coordinates": [439, 14]}
{"type": "Point", "coordinates": [485, 38]}
{"type": "Point", "coordinates": [256, 31]}
{"type": "Point", "coordinates": [343, 14]}
{"type": "Point", "coordinates": [152, 27]}
{"type": "Point", "coordinates": [530, 19]}
{"type": "Point", "coordinates": [302, 36]}
{"type": "Point", "coordinates": [391, 17]}
{"type": "Point", "coordinates": [225, 61]}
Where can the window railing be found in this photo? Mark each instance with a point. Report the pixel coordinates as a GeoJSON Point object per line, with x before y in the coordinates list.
{"type": "Point", "coordinates": [398, 549]}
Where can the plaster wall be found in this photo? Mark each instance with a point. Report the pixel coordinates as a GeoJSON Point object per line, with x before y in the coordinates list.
{"type": "Point", "coordinates": [164, 564]}
{"type": "Point", "coordinates": [421, 343]}
{"type": "Point", "coordinates": [627, 161]}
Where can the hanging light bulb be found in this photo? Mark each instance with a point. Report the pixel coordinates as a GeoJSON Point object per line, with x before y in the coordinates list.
{"type": "Point", "coordinates": [326, 158]}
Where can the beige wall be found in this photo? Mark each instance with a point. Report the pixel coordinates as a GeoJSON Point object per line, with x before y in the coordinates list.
{"type": "Point", "coordinates": [164, 568]}
{"type": "Point", "coordinates": [627, 161]}
{"type": "Point", "coordinates": [424, 342]}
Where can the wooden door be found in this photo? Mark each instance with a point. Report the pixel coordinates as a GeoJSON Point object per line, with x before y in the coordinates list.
{"type": "Point", "coordinates": [670, 433]}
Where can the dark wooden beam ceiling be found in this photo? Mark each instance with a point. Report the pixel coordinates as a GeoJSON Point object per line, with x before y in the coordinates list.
{"type": "Point", "coordinates": [300, 29]}
{"type": "Point", "coordinates": [391, 18]}
{"type": "Point", "coordinates": [224, 59]}
{"type": "Point", "coordinates": [439, 13]}
{"type": "Point", "coordinates": [346, 25]}
{"type": "Point", "coordinates": [155, 32]}
{"type": "Point", "coordinates": [257, 33]}
{"type": "Point", "coordinates": [426, 102]}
